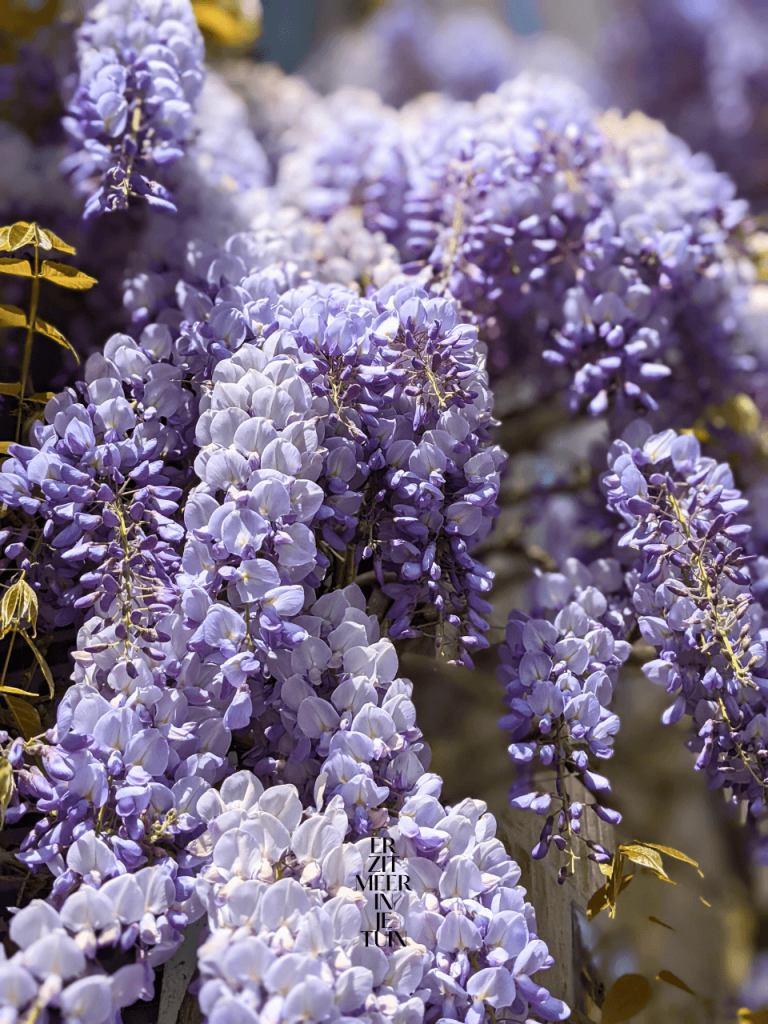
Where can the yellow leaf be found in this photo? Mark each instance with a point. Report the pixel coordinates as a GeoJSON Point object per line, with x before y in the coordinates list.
{"type": "Point", "coordinates": [52, 332]}
{"type": "Point", "coordinates": [12, 316]}
{"type": "Point", "coordinates": [43, 397]}
{"type": "Point", "coordinates": [606, 869]}
{"type": "Point", "coordinates": [647, 858]}
{"type": "Point", "coordinates": [740, 413]}
{"type": "Point", "coordinates": [18, 607]}
{"type": "Point", "coordinates": [613, 885]}
{"type": "Point", "coordinates": [628, 995]}
{"type": "Point", "coordinates": [41, 238]}
{"type": "Point", "coordinates": [672, 979]}
{"type": "Point", "coordinates": [67, 277]}
{"type": "Point", "coordinates": [56, 242]}
{"type": "Point", "coordinates": [6, 787]}
{"type": "Point", "coordinates": [599, 900]}
{"type": "Point", "coordinates": [15, 265]}
{"type": "Point", "coordinates": [670, 852]}
{"type": "Point", "coordinates": [20, 234]}
{"type": "Point", "coordinates": [41, 662]}
{"type": "Point", "coordinates": [27, 719]}
{"type": "Point", "coordinates": [700, 433]}
{"type": "Point", "coordinates": [657, 921]}
{"type": "Point", "coordinates": [238, 30]}
{"type": "Point", "coordinates": [753, 1016]}
{"type": "Point", "coordinates": [14, 390]}
{"type": "Point", "coordinates": [4, 446]}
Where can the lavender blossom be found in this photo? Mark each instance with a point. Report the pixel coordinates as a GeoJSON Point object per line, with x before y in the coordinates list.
{"type": "Point", "coordinates": [560, 670]}
{"type": "Point", "coordinates": [345, 151]}
{"type": "Point", "coordinates": [287, 925]}
{"type": "Point", "coordinates": [376, 414]}
{"type": "Point", "coordinates": [58, 967]}
{"type": "Point", "coordinates": [691, 590]}
{"type": "Point", "coordinates": [140, 73]}
{"type": "Point", "coordinates": [603, 242]}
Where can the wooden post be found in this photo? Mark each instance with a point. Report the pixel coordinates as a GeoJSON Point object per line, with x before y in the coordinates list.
{"type": "Point", "coordinates": [561, 909]}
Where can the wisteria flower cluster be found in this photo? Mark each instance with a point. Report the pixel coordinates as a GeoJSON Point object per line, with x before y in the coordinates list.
{"type": "Point", "coordinates": [56, 968]}
{"type": "Point", "coordinates": [691, 590]}
{"type": "Point", "coordinates": [348, 152]}
{"type": "Point", "coordinates": [357, 433]}
{"type": "Point", "coordinates": [600, 245]}
{"type": "Point", "coordinates": [140, 73]}
{"type": "Point", "coordinates": [278, 481]}
{"type": "Point", "coordinates": [559, 672]}
{"type": "Point", "coordinates": [604, 242]}
{"type": "Point", "coordinates": [196, 629]}
{"type": "Point", "coordinates": [289, 925]}
{"type": "Point", "coordinates": [94, 489]}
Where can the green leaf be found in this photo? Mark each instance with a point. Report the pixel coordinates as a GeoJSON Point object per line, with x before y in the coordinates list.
{"type": "Point", "coordinates": [657, 921]}
{"type": "Point", "coordinates": [67, 277]}
{"type": "Point", "coordinates": [15, 265]}
{"type": "Point", "coordinates": [670, 852]}
{"type": "Point", "coordinates": [672, 979]}
{"type": "Point", "coordinates": [41, 662]}
{"type": "Point", "coordinates": [26, 717]}
{"type": "Point", "coordinates": [55, 241]}
{"type": "Point", "coordinates": [52, 332]}
{"type": "Point", "coordinates": [12, 316]}
{"type": "Point", "coordinates": [628, 995]}
{"type": "Point", "coordinates": [6, 787]}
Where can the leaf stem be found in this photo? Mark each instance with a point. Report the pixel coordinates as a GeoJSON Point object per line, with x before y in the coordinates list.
{"type": "Point", "coordinates": [27, 359]}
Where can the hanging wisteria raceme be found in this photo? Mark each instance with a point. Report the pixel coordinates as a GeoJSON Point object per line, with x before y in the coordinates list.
{"type": "Point", "coordinates": [691, 591]}
{"type": "Point", "coordinates": [347, 150]}
{"type": "Point", "coordinates": [601, 242]}
{"type": "Point", "coordinates": [335, 710]}
{"type": "Point", "coordinates": [282, 470]}
{"type": "Point", "coordinates": [559, 670]}
{"type": "Point", "coordinates": [56, 968]}
{"type": "Point", "coordinates": [139, 75]}
{"type": "Point", "coordinates": [97, 489]}
{"type": "Point", "coordinates": [354, 434]}
{"type": "Point", "coordinates": [126, 446]}
{"type": "Point", "coordinates": [161, 681]}
{"type": "Point", "coordinates": [114, 787]}
{"type": "Point", "coordinates": [290, 927]}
